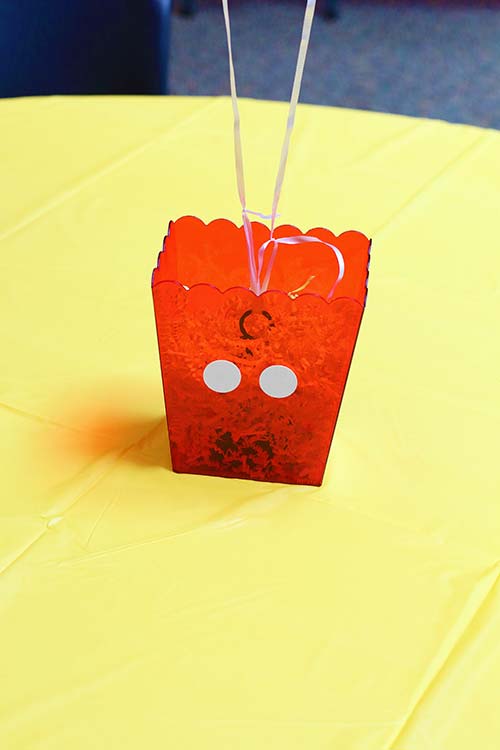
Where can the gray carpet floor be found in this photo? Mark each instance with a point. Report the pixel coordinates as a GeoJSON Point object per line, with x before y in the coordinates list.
{"type": "Point", "coordinates": [429, 58]}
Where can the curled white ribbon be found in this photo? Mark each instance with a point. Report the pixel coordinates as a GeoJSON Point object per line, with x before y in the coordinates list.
{"type": "Point", "coordinates": [296, 240]}
{"type": "Point", "coordinates": [257, 284]}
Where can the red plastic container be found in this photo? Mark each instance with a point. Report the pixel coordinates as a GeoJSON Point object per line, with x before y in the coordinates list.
{"type": "Point", "coordinates": [253, 384]}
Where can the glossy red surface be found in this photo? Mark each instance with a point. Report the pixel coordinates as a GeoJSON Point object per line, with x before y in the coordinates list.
{"type": "Point", "coordinates": [246, 433]}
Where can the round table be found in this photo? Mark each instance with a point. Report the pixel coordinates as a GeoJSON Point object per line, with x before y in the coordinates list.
{"type": "Point", "coordinates": [143, 608]}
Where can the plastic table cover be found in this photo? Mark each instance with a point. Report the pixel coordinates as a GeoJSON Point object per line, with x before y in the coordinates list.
{"type": "Point", "coordinates": [142, 608]}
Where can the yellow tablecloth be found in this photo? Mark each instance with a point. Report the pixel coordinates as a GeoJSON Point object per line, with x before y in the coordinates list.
{"type": "Point", "coordinates": [144, 609]}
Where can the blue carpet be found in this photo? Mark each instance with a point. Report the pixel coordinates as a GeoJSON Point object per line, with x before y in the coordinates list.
{"type": "Point", "coordinates": [429, 58]}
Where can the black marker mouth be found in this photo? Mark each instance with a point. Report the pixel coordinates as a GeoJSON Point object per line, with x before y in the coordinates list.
{"type": "Point", "coordinates": [244, 332]}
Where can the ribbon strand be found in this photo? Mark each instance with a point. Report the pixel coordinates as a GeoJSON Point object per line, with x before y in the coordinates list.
{"type": "Point", "coordinates": [297, 83]}
{"type": "Point", "coordinates": [238, 154]}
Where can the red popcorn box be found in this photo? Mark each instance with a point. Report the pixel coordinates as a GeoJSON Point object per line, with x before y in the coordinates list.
{"type": "Point", "coordinates": [253, 382]}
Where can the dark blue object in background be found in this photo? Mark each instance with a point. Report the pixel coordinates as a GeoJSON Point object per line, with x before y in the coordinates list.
{"type": "Point", "coordinates": [188, 7]}
{"type": "Point", "coordinates": [84, 47]}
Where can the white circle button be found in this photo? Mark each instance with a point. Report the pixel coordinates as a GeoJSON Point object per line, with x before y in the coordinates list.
{"type": "Point", "coordinates": [278, 381]}
{"type": "Point", "coordinates": [222, 376]}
